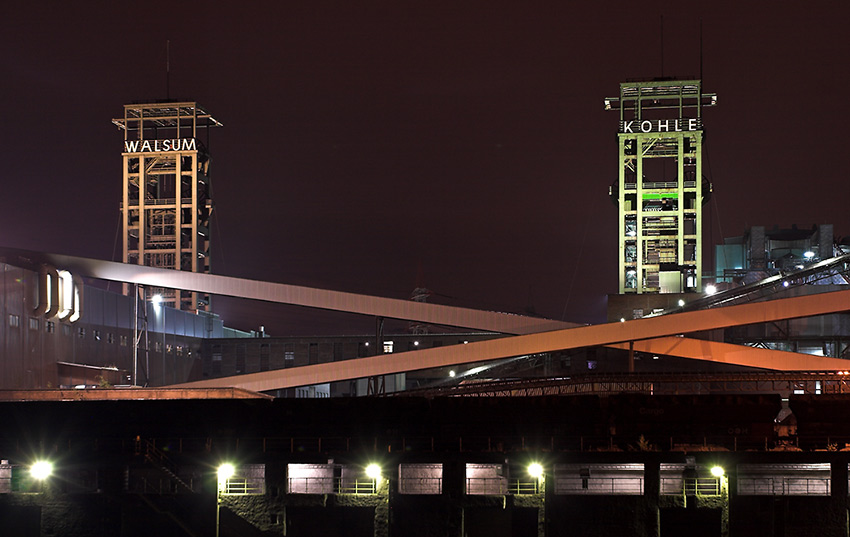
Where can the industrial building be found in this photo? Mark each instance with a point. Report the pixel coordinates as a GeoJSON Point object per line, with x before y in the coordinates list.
{"type": "Point", "coordinates": [624, 464]}
{"type": "Point", "coordinates": [688, 413]}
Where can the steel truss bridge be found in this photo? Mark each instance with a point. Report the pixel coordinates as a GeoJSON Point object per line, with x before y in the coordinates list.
{"type": "Point", "coordinates": [783, 382]}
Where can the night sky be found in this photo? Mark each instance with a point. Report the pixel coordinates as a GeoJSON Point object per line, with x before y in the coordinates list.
{"type": "Point", "coordinates": [372, 146]}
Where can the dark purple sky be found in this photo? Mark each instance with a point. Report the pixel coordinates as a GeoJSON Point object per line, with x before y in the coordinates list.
{"type": "Point", "coordinates": [361, 143]}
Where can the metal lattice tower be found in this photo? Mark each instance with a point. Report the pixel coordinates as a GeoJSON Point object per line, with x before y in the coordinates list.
{"type": "Point", "coordinates": [660, 190]}
{"type": "Point", "coordinates": [167, 201]}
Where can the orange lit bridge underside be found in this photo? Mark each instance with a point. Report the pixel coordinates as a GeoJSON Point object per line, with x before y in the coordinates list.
{"type": "Point", "coordinates": [727, 353]}
{"type": "Point", "coordinates": [617, 334]}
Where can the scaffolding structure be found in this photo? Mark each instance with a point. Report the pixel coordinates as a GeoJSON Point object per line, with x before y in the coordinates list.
{"type": "Point", "coordinates": [167, 194]}
{"type": "Point", "coordinates": [660, 190]}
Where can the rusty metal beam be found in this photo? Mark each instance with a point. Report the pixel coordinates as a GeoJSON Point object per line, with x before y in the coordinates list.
{"type": "Point", "coordinates": [572, 338]}
{"type": "Point", "coordinates": [311, 297]}
{"type": "Point", "coordinates": [130, 394]}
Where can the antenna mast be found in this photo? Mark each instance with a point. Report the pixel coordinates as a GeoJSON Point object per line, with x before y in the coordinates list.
{"type": "Point", "coordinates": [168, 69]}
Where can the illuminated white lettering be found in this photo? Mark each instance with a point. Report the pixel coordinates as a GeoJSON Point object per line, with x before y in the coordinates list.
{"type": "Point", "coordinates": [175, 144]}
{"type": "Point", "coordinates": [657, 125]}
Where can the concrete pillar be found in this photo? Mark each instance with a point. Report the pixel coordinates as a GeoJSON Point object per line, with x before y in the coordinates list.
{"type": "Point", "coordinates": [652, 493]}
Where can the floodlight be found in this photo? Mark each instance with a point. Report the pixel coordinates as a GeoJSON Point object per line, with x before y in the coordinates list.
{"type": "Point", "coordinates": [535, 470]}
{"type": "Point", "coordinates": [373, 471]}
{"type": "Point", "coordinates": [710, 289]}
{"type": "Point", "coordinates": [717, 471]}
{"type": "Point", "coordinates": [225, 472]}
{"type": "Point", "coordinates": [452, 373]}
{"type": "Point", "coordinates": [808, 254]}
{"type": "Point", "coordinates": [41, 470]}
{"type": "Point", "coordinates": [156, 300]}
{"type": "Point", "coordinates": [681, 302]}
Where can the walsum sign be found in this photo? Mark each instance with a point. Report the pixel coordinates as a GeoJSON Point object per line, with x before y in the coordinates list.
{"type": "Point", "coordinates": [661, 125]}
{"type": "Point", "coordinates": [156, 146]}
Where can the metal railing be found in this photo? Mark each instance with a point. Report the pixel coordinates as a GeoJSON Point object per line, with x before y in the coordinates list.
{"type": "Point", "coordinates": [243, 486]}
{"type": "Point", "coordinates": [486, 486]}
{"type": "Point", "coordinates": [660, 184]}
{"type": "Point", "coordinates": [331, 485]}
{"type": "Point", "coordinates": [660, 383]}
{"type": "Point", "coordinates": [358, 486]}
{"type": "Point", "coordinates": [310, 485]}
{"type": "Point", "coordinates": [700, 486]}
{"type": "Point", "coordinates": [783, 486]}
{"type": "Point", "coordinates": [608, 486]}
{"type": "Point", "coordinates": [524, 488]}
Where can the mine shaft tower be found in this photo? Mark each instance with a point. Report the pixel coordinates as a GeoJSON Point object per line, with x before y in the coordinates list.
{"type": "Point", "coordinates": [167, 202]}
{"type": "Point", "coordinates": [660, 190]}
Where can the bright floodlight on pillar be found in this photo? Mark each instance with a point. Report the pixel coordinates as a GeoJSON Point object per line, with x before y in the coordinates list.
{"type": "Point", "coordinates": [225, 472]}
{"type": "Point", "coordinates": [156, 300]}
{"type": "Point", "coordinates": [808, 254]}
{"type": "Point", "coordinates": [535, 470]}
{"type": "Point", "coordinates": [41, 470]}
{"type": "Point", "coordinates": [710, 289]}
{"type": "Point", "coordinates": [373, 471]}
{"type": "Point", "coordinates": [717, 471]}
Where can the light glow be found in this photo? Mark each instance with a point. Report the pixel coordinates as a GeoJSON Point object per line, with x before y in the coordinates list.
{"type": "Point", "coordinates": [373, 471]}
{"type": "Point", "coordinates": [66, 294]}
{"type": "Point", "coordinates": [809, 254]}
{"type": "Point", "coordinates": [717, 471]}
{"type": "Point", "coordinates": [710, 289]}
{"type": "Point", "coordinates": [41, 470]}
{"type": "Point", "coordinates": [225, 472]}
{"type": "Point", "coordinates": [535, 470]}
{"type": "Point", "coordinates": [77, 313]}
{"type": "Point", "coordinates": [681, 302]}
